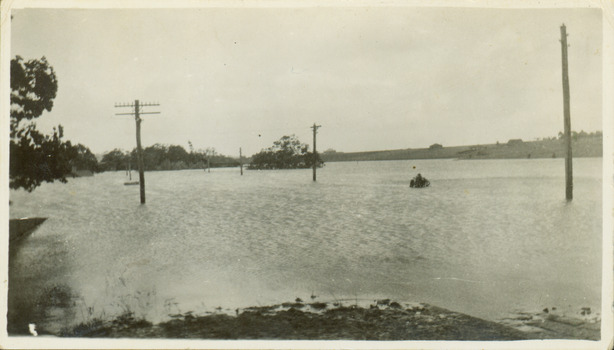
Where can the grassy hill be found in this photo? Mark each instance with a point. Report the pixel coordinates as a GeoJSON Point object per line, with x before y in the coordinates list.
{"type": "Point", "coordinates": [581, 147]}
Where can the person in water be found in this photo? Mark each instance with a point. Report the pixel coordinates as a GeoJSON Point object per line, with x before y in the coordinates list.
{"type": "Point", "coordinates": [419, 182]}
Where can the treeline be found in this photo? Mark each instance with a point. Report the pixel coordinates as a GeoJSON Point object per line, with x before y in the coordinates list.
{"type": "Point", "coordinates": [574, 135]}
{"type": "Point", "coordinates": [580, 135]}
{"type": "Point", "coordinates": [164, 157]}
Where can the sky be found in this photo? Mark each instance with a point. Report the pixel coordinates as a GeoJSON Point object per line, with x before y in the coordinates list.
{"type": "Point", "coordinates": [374, 78]}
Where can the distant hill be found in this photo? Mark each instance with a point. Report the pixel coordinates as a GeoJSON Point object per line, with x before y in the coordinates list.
{"type": "Point", "coordinates": [589, 146]}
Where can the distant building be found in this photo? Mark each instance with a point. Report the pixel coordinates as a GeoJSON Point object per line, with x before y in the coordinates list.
{"type": "Point", "coordinates": [514, 142]}
{"type": "Point", "coordinates": [435, 146]}
{"type": "Point", "coordinates": [330, 150]}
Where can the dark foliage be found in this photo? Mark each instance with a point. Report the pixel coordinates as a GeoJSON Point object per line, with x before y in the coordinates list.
{"type": "Point", "coordinates": [35, 157]}
{"type": "Point", "coordinates": [123, 326]}
{"type": "Point", "coordinates": [33, 88]}
{"type": "Point", "coordinates": [286, 153]}
{"type": "Point", "coordinates": [85, 159]}
{"type": "Point", "coordinates": [114, 160]}
{"type": "Point", "coordinates": [163, 157]}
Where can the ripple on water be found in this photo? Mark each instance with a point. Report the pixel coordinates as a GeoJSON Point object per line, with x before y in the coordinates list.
{"type": "Point", "coordinates": [487, 237]}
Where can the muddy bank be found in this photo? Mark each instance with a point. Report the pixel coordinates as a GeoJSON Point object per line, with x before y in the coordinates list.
{"type": "Point", "coordinates": [553, 324]}
{"type": "Point", "coordinates": [383, 320]}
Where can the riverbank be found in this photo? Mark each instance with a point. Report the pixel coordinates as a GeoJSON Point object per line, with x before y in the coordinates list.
{"type": "Point", "coordinates": [382, 320]}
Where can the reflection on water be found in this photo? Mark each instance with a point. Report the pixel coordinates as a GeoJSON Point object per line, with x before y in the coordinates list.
{"type": "Point", "coordinates": [487, 238]}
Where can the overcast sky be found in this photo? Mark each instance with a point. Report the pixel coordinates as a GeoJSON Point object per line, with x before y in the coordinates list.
{"type": "Point", "coordinates": [375, 78]}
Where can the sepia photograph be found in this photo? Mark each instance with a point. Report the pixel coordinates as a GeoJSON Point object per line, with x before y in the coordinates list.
{"type": "Point", "coordinates": [361, 174]}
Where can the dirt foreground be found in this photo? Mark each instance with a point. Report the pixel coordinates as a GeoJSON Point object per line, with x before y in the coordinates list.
{"type": "Point", "coordinates": [383, 320]}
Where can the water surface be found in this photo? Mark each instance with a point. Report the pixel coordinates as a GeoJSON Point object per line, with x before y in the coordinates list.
{"type": "Point", "coordinates": [489, 237]}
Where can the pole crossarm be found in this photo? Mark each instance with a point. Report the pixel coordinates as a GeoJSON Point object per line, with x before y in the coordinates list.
{"type": "Point", "coordinates": [135, 113]}
{"type": "Point", "coordinates": [132, 104]}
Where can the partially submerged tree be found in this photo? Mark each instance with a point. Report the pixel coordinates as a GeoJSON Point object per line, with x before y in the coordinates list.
{"type": "Point", "coordinates": [286, 153]}
{"type": "Point", "coordinates": [85, 159]}
{"type": "Point", "coordinates": [165, 157]}
{"type": "Point", "coordinates": [35, 157]}
{"type": "Point", "coordinates": [115, 160]}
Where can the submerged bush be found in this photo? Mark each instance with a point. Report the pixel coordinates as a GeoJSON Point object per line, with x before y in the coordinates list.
{"type": "Point", "coordinates": [286, 153]}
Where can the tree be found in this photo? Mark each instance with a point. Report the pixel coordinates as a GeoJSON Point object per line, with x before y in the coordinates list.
{"type": "Point", "coordinates": [178, 154]}
{"type": "Point", "coordinates": [35, 157]}
{"type": "Point", "coordinates": [286, 153]}
{"type": "Point", "coordinates": [114, 160]}
{"type": "Point", "coordinates": [210, 152]}
{"type": "Point", "coordinates": [165, 157]}
{"type": "Point", "coordinates": [155, 157]}
{"type": "Point", "coordinates": [85, 159]}
{"type": "Point", "coordinates": [33, 88]}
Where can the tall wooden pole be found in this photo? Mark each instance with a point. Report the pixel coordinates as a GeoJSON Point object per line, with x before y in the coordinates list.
{"type": "Point", "coordinates": [567, 122]}
{"type": "Point", "coordinates": [139, 150]}
{"type": "Point", "coordinates": [241, 161]}
{"type": "Point", "coordinates": [315, 153]}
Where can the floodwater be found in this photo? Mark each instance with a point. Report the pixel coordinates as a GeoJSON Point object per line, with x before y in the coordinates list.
{"type": "Point", "coordinates": [488, 238]}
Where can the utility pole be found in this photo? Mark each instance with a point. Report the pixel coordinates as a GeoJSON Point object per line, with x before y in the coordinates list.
{"type": "Point", "coordinates": [567, 121]}
{"type": "Point", "coordinates": [139, 151]}
{"type": "Point", "coordinates": [315, 153]}
{"type": "Point", "coordinates": [241, 161]}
